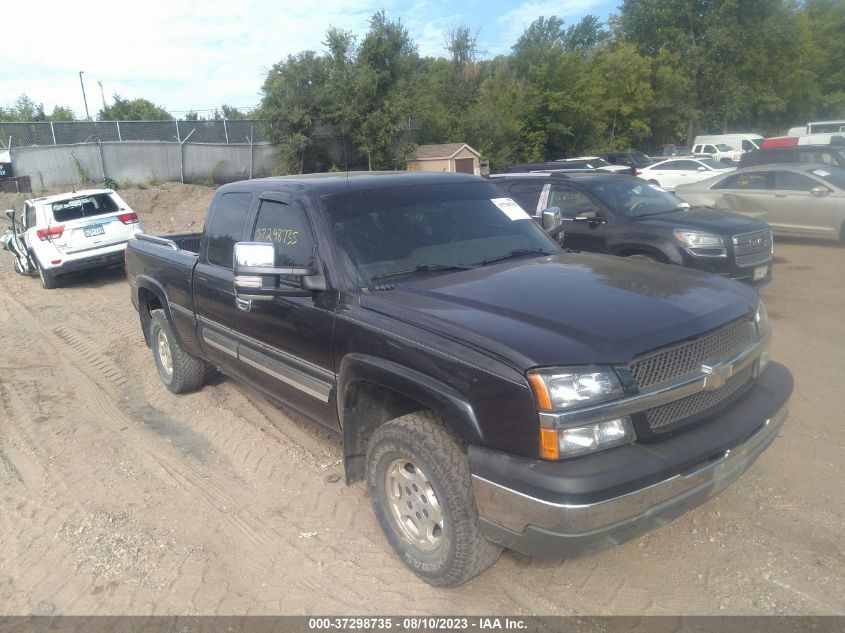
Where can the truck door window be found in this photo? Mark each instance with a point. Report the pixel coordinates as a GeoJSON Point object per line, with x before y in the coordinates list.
{"type": "Point", "coordinates": [527, 194]}
{"type": "Point", "coordinates": [286, 227]}
{"type": "Point", "coordinates": [570, 201]}
{"type": "Point", "coordinates": [225, 227]}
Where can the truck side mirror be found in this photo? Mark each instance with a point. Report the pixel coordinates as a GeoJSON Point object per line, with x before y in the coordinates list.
{"type": "Point", "coordinates": [819, 191]}
{"type": "Point", "coordinates": [257, 278]}
{"type": "Point", "coordinates": [552, 218]}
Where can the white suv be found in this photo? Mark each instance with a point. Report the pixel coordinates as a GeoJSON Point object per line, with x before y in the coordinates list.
{"type": "Point", "coordinates": [76, 231]}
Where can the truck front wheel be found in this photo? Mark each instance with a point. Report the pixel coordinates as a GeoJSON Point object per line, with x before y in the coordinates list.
{"type": "Point", "coordinates": [419, 484]}
{"type": "Point", "coordinates": [178, 370]}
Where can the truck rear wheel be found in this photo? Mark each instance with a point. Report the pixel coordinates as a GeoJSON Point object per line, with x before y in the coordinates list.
{"type": "Point", "coordinates": [419, 483]}
{"type": "Point", "coordinates": [178, 370]}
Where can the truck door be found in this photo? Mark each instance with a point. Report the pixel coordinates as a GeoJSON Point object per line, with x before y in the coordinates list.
{"type": "Point", "coordinates": [214, 290]}
{"type": "Point", "coordinates": [579, 235]}
{"type": "Point", "coordinates": [286, 343]}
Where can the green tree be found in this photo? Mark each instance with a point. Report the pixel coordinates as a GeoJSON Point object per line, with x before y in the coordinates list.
{"type": "Point", "coordinates": [133, 110]}
{"type": "Point", "coordinates": [293, 103]}
{"type": "Point", "coordinates": [620, 96]}
{"type": "Point", "coordinates": [735, 52]}
{"type": "Point", "coordinates": [386, 57]}
{"type": "Point", "coordinates": [232, 113]}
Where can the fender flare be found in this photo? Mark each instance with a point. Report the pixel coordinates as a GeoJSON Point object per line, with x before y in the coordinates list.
{"type": "Point", "coordinates": [449, 404]}
{"type": "Point", "coordinates": [143, 282]}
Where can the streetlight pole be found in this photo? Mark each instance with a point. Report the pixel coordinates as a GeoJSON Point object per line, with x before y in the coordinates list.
{"type": "Point", "coordinates": [87, 116]}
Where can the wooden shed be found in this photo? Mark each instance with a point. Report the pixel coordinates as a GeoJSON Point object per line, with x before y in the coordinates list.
{"type": "Point", "coordinates": [448, 157]}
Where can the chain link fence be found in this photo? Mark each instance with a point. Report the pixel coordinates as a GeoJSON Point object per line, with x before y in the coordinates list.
{"type": "Point", "coordinates": [40, 133]}
{"type": "Point", "coordinates": [129, 163]}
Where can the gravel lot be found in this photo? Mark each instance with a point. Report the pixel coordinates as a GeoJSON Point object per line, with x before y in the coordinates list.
{"type": "Point", "coordinates": [117, 497]}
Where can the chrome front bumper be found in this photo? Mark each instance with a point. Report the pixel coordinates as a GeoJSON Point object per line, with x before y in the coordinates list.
{"type": "Point", "coordinates": [538, 527]}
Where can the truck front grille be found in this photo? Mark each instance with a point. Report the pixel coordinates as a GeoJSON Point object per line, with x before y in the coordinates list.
{"type": "Point", "coordinates": [687, 358]}
{"type": "Point", "coordinates": [752, 248]}
{"type": "Point", "coordinates": [665, 418]}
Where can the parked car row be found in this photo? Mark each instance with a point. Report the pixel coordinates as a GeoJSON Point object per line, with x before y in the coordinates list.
{"type": "Point", "coordinates": [492, 389]}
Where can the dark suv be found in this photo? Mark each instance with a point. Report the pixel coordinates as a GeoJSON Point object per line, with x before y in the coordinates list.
{"type": "Point", "coordinates": [637, 160]}
{"type": "Point", "coordinates": [624, 215]}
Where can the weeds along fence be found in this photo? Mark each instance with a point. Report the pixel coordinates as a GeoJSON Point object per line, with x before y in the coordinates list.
{"type": "Point", "coordinates": [86, 152]}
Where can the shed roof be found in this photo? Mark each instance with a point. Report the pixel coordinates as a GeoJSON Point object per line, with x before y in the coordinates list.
{"type": "Point", "coordinates": [440, 151]}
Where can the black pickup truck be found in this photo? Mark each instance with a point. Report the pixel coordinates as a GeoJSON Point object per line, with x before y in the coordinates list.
{"type": "Point", "coordinates": [492, 389]}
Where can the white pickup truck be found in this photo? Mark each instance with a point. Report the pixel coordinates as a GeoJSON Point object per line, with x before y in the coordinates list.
{"type": "Point", "coordinates": [70, 232]}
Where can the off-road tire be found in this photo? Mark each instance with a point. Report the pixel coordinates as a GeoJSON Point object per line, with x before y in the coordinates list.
{"type": "Point", "coordinates": [48, 282]}
{"type": "Point", "coordinates": [187, 373]}
{"type": "Point", "coordinates": [421, 438]}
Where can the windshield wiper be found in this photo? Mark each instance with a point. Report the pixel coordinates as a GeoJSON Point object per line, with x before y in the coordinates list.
{"type": "Point", "coordinates": [421, 268]}
{"type": "Point", "coordinates": [519, 252]}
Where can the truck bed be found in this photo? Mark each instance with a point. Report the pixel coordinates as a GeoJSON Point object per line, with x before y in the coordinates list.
{"type": "Point", "coordinates": [170, 259]}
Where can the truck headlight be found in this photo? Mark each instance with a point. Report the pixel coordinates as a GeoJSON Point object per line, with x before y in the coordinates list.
{"type": "Point", "coordinates": [701, 244]}
{"type": "Point", "coordinates": [560, 388]}
{"type": "Point", "coordinates": [563, 443]}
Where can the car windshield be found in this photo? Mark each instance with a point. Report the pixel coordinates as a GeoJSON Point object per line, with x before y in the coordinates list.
{"type": "Point", "coordinates": [724, 148]}
{"type": "Point", "coordinates": [597, 162]}
{"type": "Point", "coordinates": [713, 163]}
{"type": "Point", "coordinates": [639, 158]}
{"type": "Point", "coordinates": [633, 198]}
{"type": "Point", "coordinates": [83, 207]}
{"type": "Point", "coordinates": [422, 229]}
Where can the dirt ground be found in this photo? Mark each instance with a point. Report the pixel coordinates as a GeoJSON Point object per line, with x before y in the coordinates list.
{"type": "Point", "coordinates": [117, 497]}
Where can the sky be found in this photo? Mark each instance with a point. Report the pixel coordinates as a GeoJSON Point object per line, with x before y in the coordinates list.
{"type": "Point", "coordinates": [189, 55]}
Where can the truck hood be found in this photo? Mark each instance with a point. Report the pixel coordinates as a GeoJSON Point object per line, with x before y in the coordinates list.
{"type": "Point", "coordinates": [702, 219]}
{"type": "Point", "coordinates": [566, 309]}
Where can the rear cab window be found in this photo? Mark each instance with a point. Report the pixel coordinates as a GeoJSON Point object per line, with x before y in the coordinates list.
{"type": "Point", "coordinates": [84, 207]}
{"type": "Point", "coordinates": [225, 227]}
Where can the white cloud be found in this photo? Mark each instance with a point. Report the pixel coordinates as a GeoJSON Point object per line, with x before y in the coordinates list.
{"type": "Point", "coordinates": [184, 54]}
{"type": "Point", "coordinates": [521, 17]}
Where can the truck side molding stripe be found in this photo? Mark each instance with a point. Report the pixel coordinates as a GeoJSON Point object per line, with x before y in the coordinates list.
{"type": "Point", "coordinates": [286, 374]}
{"type": "Point", "coordinates": [225, 345]}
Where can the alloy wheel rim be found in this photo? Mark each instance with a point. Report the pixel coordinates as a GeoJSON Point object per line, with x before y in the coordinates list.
{"type": "Point", "coordinates": [414, 505]}
{"type": "Point", "coordinates": [164, 355]}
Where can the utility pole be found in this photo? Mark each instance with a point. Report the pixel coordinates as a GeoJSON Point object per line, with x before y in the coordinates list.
{"type": "Point", "coordinates": [87, 116]}
{"type": "Point", "coordinates": [102, 94]}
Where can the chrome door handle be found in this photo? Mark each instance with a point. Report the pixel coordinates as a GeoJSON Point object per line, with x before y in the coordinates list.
{"type": "Point", "coordinates": [243, 304]}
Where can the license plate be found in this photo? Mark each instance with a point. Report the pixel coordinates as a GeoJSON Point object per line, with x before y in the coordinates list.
{"type": "Point", "coordinates": [97, 229]}
{"type": "Point", "coordinates": [760, 272]}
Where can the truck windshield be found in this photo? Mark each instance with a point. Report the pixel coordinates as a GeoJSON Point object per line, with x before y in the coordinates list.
{"type": "Point", "coordinates": [426, 229]}
{"type": "Point", "coordinates": [636, 199]}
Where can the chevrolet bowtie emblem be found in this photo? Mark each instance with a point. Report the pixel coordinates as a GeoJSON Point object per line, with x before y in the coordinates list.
{"type": "Point", "coordinates": [716, 377]}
